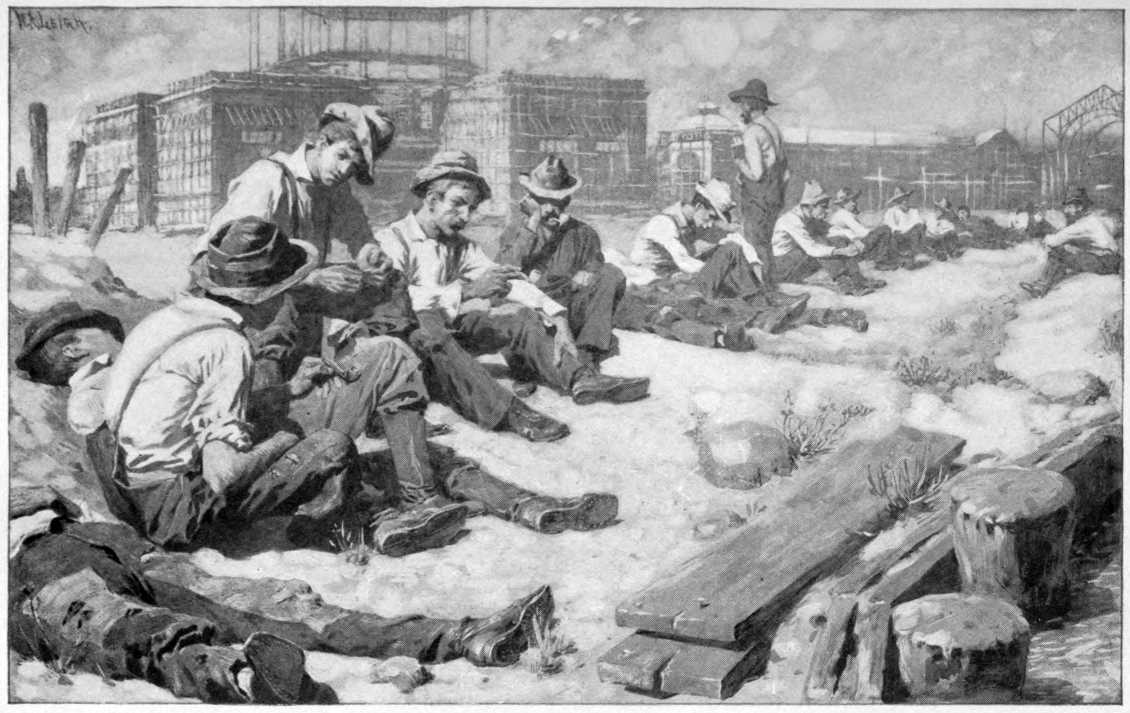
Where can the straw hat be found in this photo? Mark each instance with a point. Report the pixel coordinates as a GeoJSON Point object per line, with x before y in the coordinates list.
{"type": "Point", "coordinates": [717, 193]}
{"type": "Point", "coordinates": [900, 194]}
{"type": "Point", "coordinates": [813, 194]}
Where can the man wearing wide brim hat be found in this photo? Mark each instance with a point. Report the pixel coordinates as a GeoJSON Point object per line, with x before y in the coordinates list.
{"type": "Point", "coordinates": [453, 286]}
{"type": "Point", "coordinates": [801, 248]}
{"type": "Point", "coordinates": [908, 227]}
{"type": "Point", "coordinates": [941, 232]}
{"type": "Point", "coordinates": [1091, 242]}
{"type": "Point", "coordinates": [562, 255]}
{"type": "Point", "coordinates": [845, 228]}
{"type": "Point", "coordinates": [763, 171]}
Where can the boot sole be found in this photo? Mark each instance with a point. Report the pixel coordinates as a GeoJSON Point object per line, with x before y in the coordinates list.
{"type": "Point", "coordinates": [519, 636]}
{"type": "Point", "coordinates": [626, 392]}
{"type": "Point", "coordinates": [592, 512]}
{"type": "Point", "coordinates": [279, 667]}
{"type": "Point", "coordinates": [436, 530]}
{"type": "Point", "coordinates": [534, 437]}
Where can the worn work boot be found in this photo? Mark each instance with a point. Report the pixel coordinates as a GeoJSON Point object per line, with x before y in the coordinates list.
{"type": "Point", "coordinates": [853, 287]}
{"type": "Point", "coordinates": [398, 532]}
{"type": "Point", "coordinates": [590, 387]}
{"type": "Point", "coordinates": [852, 318]}
{"type": "Point", "coordinates": [279, 673]}
{"type": "Point", "coordinates": [1036, 289]}
{"type": "Point", "coordinates": [550, 515]}
{"type": "Point", "coordinates": [736, 338]}
{"type": "Point", "coordinates": [500, 639]}
{"type": "Point", "coordinates": [533, 425]}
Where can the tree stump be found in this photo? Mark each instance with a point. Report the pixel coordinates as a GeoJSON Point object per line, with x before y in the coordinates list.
{"type": "Point", "coordinates": [961, 647]}
{"type": "Point", "coordinates": [1012, 530]}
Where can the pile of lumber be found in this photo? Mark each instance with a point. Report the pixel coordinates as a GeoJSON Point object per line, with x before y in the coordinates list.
{"type": "Point", "coordinates": [707, 627]}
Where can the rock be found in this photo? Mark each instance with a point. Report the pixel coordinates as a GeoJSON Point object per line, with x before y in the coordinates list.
{"type": "Point", "coordinates": [401, 671]}
{"type": "Point", "coordinates": [716, 523]}
{"type": "Point", "coordinates": [1075, 387]}
{"type": "Point", "coordinates": [742, 454]}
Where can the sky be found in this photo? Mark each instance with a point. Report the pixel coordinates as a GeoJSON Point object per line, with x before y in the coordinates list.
{"type": "Point", "coordinates": [913, 71]}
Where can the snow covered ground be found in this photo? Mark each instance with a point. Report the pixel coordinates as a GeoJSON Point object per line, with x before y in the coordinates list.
{"type": "Point", "coordinates": [640, 452]}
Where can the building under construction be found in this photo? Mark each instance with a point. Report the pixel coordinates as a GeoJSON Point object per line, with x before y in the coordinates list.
{"type": "Point", "coordinates": [424, 66]}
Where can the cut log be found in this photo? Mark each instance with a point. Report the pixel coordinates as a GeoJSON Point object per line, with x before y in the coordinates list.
{"type": "Point", "coordinates": [75, 151]}
{"type": "Point", "coordinates": [720, 596]}
{"type": "Point", "coordinates": [657, 666]}
{"type": "Point", "coordinates": [960, 647]}
{"type": "Point", "coordinates": [1012, 530]}
{"type": "Point", "coordinates": [103, 221]}
{"type": "Point", "coordinates": [37, 126]}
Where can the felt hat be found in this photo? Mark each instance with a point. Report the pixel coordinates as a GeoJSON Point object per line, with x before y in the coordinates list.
{"type": "Point", "coordinates": [550, 179]}
{"type": "Point", "coordinates": [1078, 196]}
{"type": "Point", "coordinates": [718, 194]}
{"type": "Point", "coordinates": [813, 194]}
{"type": "Point", "coordinates": [846, 195]}
{"type": "Point", "coordinates": [451, 163]}
{"type": "Point", "coordinates": [944, 204]}
{"type": "Point", "coordinates": [753, 89]}
{"type": "Point", "coordinates": [61, 317]}
{"type": "Point", "coordinates": [900, 194]}
{"type": "Point", "coordinates": [374, 130]}
{"type": "Point", "coordinates": [250, 260]}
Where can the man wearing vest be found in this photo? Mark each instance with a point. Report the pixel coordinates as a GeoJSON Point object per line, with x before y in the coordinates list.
{"type": "Point", "coordinates": [763, 172]}
{"type": "Point", "coordinates": [562, 256]}
{"type": "Point", "coordinates": [105, 601]}
{"type": "Point", "coordinates": [468, 304]}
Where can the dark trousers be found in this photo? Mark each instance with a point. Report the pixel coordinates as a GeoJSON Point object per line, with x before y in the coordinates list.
{"type": "Point", "coordinates": [879, 245]}
{"type": "Point", "coordinates": [796, 265]}
{"type": "Point", "coordinates": [909, 243]}
{"type": "Point", "coordinates": [591, 309]}
{"type": "Point", "coordinates": [314, 480]}
{"type": "Point", "coordinates": [83, 594]}
{"type": "Point", "coordinates": [727, 273]}
{"type": "Point", "coordinates": [1063, 262]}
{"type": "Point", "coordinates": [761, 204]}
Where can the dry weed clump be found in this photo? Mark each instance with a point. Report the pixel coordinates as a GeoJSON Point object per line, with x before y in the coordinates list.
{"type": "Point", "coordinates": [549, 648]}
{"type": "Point", "coordinates": [816, 434]}
{"type": "Point", "coordinates": [943, 327]}
{"type": "Point", "coordinates": [351, 544]}
{"type": "Point", "coordinates": [1110, 332]}
{"type": "Point", "coordinates": [906, 483]}
{"type": "Point", "coordinates": [921, 371]}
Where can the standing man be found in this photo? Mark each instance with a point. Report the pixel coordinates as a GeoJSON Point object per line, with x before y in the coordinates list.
{"type": "Point", "coordinates": [562, 256]}
{"type": "Point", "coordinates": [453, 285]}
{"type": "Point", "coordinates": [875, 243]}
{"type": "Point", "coordinates": [907, 226]}
{"type": "Point", "coordinates": [1089, 243]}
{"type": "Point", "coordinates": [763, 172]}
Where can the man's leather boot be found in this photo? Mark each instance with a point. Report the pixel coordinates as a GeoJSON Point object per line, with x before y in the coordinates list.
{"type": "Point", "coordinates": [500, 639]}
{"type": "Point", "coordinates": [553, 515]}
{"type": "Point", "coordinates": [590, 387]}
{"type": "Point", "coordinates": [533, 425]}
{"type": "Point", "coordinates": [279, 673]}
{"type": "Point", "coordinates": [406, 530]}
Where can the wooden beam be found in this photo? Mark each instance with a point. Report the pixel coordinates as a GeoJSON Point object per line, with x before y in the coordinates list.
{"type": "Point", "coordinates": [656, 666]}
{"type": "Point", "coordinates": [718, 595]}
{"type": "Point", "coordinates": [108, 209]}
{"type": "Point", "coordinates": [37, 126]}
{"type": "Point", "coordinates": [75, 151]}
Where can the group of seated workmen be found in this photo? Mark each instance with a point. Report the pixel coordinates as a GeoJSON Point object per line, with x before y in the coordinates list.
{"type": "Point", "coordinates": [301, 330]}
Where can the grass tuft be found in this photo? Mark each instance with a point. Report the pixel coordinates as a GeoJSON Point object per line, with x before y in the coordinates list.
{"type": "Point", "coordinates": [351, 544]}
{"type": "Point", "coordinates": [906, 483]}
{"type": "Point", "coordinates": [921, 371]}
{"type": "Point", "coordinates": [550, 647]}
{"type": "Point", "coordinates": [816, 434]}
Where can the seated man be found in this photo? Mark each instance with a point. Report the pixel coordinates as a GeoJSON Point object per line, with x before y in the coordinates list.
{"type": "Point", "coordinates": [942, 233]}
{"type": "Point", "coordinates": [1089, 243]}
{"type": "Point", "coordinates": [718, 300]}
{"type": "Point", "coordinates": [876, 243]}
{"type": "Point", "coordinates": [562, 256]}
{"type": "Point", "coordinates": [454, 285]}
{"type": "Point", "coordinates": [979, 231]}
{"type": "Point", "coordinates": [908, 229]}
{"type": "Point", "coordinates": [140, 613]}
{"type": "Point", "coordinates": [800, 247]}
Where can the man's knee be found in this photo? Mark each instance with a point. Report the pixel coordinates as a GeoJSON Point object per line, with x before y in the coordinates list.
{"type": "Point", "coordinates": [383, 354]}
{"type": "Point", "coordinates": [611, 275]}
{"type": "Point", "coordinates": [331, 448]}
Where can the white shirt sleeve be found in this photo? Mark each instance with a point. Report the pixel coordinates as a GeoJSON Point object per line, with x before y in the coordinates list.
{"type": "Point", "coordinates": [1090, 229]}
{"type": "Point", "coordinates": [661, 230]}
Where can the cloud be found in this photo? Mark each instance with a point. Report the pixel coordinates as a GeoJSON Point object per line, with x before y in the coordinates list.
{"type": "Point", "coordinates": [711, 44]}
{"type": "Point", "coordinates": [760, 25]}
{"type": "Point", "coordinates": [829, 35]}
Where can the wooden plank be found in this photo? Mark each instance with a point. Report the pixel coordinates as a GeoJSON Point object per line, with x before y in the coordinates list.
{"type": "Point", "coordinates": [75, 151]}
{"type": "Point", "coordinates": [37, 127]}
{"type": "Point", "coordinates": [718, 595]}
{"type": "Point", "coordinates": [659, 666]}
{"type": "Point", "coordinates": [103, 221]}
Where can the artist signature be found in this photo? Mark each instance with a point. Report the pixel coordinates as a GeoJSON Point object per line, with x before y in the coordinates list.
{"type": "Point", "coordinates": [38, 21]}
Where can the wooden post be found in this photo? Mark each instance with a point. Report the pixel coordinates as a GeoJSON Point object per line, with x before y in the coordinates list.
{"type": "Point", "coordinates": [961, 647]}
{"type": "Point", "coordinates": [37, 125]}
{"type": "Point", "coordinates": [1012, 530]}
{"type": "Point", "coordinates": [108, 209]}
{"type": "Point", "coordinates": [75, 151]}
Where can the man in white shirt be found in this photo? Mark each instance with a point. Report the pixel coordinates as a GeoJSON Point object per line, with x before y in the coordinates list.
{"type": "Point", "coordinates": [1091, 242]}
{"type": "Point", "coordinates": [763, 172]}
{"type": "Point", "coordinates": [874, 243]}
{"type": "Point", "coordinates": [801, 246]}
{"type": "Point", "coordinates": [454, 287]}
{"type": "Point", "coordinates": [908, 229]}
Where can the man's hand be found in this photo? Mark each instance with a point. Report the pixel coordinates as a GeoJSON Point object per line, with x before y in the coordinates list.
{"type": "Point", "coordinates": [495, 282]}
{"type": "Point", "coordinates": [562, 339]}
{"type": "Point", "coordinates": [583, 278]}
{"type": "Point", "coordinates": [847, 251]}
{"type": "Point", "coordinates": [311, 372]}
{"type": "Point", "coordinates": [375, 265]}
{"type": "Point", "coordinates": [339, 279]}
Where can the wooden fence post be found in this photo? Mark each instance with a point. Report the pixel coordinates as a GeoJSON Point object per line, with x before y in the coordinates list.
{"type": "Point", "coordinates": [108, 209]}
{"type": "Point", "coordinates": [37, 125]}
{"type": "Point", "coordinates": [75, 151]}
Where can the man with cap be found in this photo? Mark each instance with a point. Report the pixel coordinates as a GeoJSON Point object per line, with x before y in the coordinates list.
{"type": "Point", "coordinates": [454, 286]}
{"type": "Point", "coordinates": [562, 256]}
{"type": "Point", "coordinates": [941, 232]}
{"type": "Point", "coordinates": [801, 248]}
{"type": "Point", "coordinates": [874, 243]}
{"type": "Point", "coordinates": [1091, 242]}
{"type": "Point", "coordinates": [138, 619]}
{"type": "Point", "coordinates": [908, 229]}
{"type": "Point", "coordinates": [763, 171]}
{"type": "Point", "coordinates": [713, 299]}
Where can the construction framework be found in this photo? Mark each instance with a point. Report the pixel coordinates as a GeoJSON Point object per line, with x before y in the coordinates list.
{"type": "Point", "coordinates": [1073, 143]}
